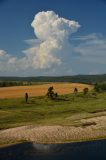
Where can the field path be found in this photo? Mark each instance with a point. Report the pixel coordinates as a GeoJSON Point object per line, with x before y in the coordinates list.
{"type": "Point", "coordinates": [40, 90]}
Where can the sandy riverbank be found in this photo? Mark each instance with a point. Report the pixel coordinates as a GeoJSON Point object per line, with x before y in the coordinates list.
{"type": "Point", "coordinates": [92, 128]}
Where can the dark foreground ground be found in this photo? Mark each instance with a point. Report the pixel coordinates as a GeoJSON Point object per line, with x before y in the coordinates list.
{"type": "Point", "coordinates": [94, 150]}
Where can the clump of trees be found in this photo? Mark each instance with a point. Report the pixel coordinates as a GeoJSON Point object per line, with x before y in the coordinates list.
{"type": "Point", "coordinates": [51, 94]}
{"type": "Point", "coordinates": [100, 87]}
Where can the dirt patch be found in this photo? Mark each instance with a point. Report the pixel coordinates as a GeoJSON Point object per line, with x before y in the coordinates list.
{"type": "Point", "coordinates": [86, 124]}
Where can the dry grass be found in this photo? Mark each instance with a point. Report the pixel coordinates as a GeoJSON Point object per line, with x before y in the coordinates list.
{"type": "Point", "coordinates": [40, 90]}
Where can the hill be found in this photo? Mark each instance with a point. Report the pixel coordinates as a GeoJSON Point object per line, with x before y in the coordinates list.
{"type": "Point", "coordinates": [90, 79]}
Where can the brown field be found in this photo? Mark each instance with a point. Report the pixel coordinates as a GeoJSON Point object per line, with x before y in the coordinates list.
{"type": "Point", "coordinates": [40, 90]}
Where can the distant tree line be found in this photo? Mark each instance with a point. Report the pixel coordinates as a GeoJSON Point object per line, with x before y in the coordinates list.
{"type": "Point", "coordinates": [87, 79]}
{"type": "Point", "coordinates": [14, 83]}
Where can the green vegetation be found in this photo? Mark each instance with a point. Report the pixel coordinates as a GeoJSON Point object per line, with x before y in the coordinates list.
{"type": "Point", "coordinates": [18, 83]}
{"type": "Point", "coordinates": [100, 87]}
{"type": "Point", "coordinates": [85, 91]}
{"type": "Point", "coordinates": [11, 83]}
{"type": "Point", "coordinates": [41, 110]}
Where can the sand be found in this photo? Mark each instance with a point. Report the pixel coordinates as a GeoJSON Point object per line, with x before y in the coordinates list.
{"type": "Point", "coordinates": [91, 128]}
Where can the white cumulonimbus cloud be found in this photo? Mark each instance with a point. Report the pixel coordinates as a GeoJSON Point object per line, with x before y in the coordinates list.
{"type": "Point", "coordinates": [52, 38]}
{"type": "Point", "coordinates": [52, 34]}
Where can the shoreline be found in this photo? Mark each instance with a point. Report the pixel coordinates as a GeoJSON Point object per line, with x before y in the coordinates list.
{"type": "Point", "coordinates": [51, 143]}
{"type": "Point", "coordinates": [90, 129]}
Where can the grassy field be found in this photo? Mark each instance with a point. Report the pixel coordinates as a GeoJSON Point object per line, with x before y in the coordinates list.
{"type": "Point", "coordinates": [40, 90]}
{"type": "Point", "coordinates": [73, 110]}
{"type": "Point", "coordinates": [66, 110]}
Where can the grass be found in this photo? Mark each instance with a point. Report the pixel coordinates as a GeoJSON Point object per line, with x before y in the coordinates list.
{"type": "Point", "coordinates": [42, 111]}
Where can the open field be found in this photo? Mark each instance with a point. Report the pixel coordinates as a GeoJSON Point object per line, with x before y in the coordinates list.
{"type": "Point", "coordinates": [40, 90]}
{"type": "Point", "coordinates": [68, 118]}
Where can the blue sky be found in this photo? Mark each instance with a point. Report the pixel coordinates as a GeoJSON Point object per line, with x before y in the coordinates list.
{"type": "Point", "coordinates": [81, 51]}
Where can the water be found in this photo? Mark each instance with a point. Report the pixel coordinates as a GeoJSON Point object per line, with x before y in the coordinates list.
{"type": "Point", "coordinates": [95, 150]}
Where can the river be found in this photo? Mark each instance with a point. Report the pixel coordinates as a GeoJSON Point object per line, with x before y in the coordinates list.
{"type": "Point", "coordinates": [94, 150]}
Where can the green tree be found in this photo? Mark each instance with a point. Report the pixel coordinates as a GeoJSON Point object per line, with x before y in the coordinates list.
{"type": "Point", "coordinates": [50, 92]}
{"type": "Point", "coordinates": [85, 91]}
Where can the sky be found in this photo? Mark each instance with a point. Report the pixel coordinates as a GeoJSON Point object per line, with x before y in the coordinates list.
{"type": "Point", "coordinates": [52, 37]}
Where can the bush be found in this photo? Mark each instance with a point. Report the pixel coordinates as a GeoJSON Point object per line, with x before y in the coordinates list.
{"type": "Point", "coordinates": [85, 91]}
{"type": "Point", "coordinates": [100, 87]}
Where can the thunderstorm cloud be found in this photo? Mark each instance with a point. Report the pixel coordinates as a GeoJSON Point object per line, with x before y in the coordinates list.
{"type": "Point", "coordinates": [49, 47]}
{"type": "Point", "coordinates": [52, 34]}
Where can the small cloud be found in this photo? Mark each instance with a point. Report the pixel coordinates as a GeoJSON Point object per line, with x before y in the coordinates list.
{"type": "Point", "coordinates": [92, 49]}
{"type": "Point", "coordinates": [93, 73]}
{"type": "Point", "coordinates": [2, 53]}
{"type": "Point", "coordinates": [12, 60]}
{"type": "Point", "coordinates": [87, 37]}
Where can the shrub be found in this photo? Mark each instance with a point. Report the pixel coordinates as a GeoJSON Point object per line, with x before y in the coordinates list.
{"type": "Point", "coordinates": [85, 91]}
{"type": "Point", "coordinates": [99, 87]}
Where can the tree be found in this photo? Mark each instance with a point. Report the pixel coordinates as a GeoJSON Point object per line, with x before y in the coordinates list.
{"type": "Point", "coordinates": [85, 91]}
{"type": "Point", "coordinates": [50, 92]}
{"type": "Point", "coordinates": [75, 90]}
{"type": "Point", "coordinates": [26, 97]}
{"type": "Point", "coordinates": [99, 87]}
